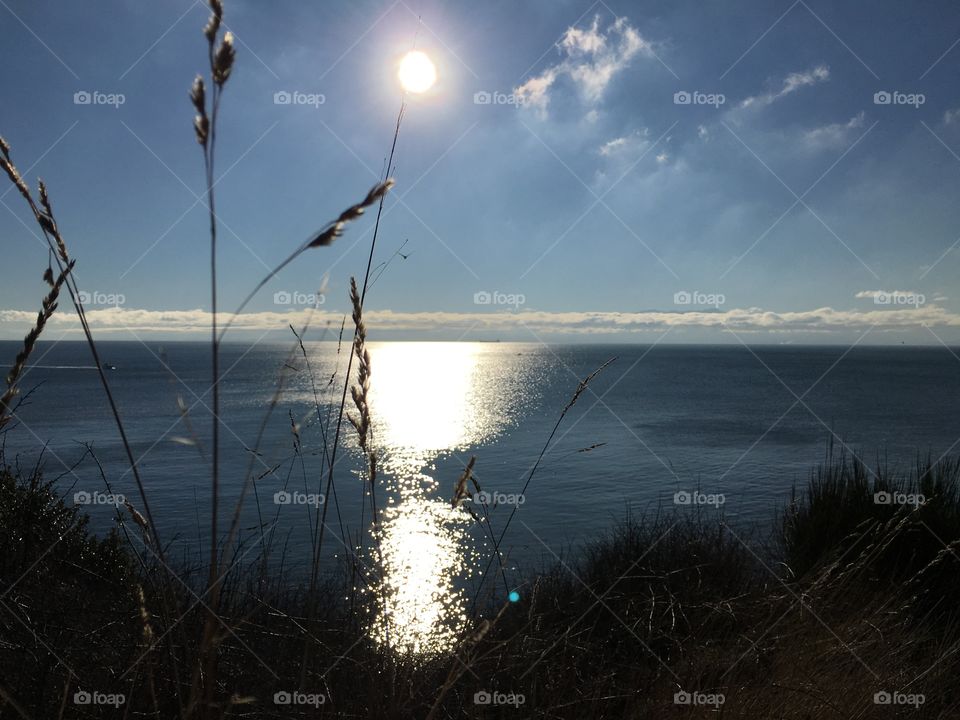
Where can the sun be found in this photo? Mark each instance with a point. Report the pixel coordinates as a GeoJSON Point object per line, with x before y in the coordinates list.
{"type": "Point", "coordinates": [417, 72]}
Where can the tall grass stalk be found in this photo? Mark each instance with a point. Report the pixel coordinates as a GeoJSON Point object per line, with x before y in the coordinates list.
{"type": "Point", "coordinates": [220, 58]}
{"type": "Point", "coordinates": [50, 228]}
{"type": "Point", "coordinates": [581, 387]}
{"type": "Point", "coordinates": [314, 571]}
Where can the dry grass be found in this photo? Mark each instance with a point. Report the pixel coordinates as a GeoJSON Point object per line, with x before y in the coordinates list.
{"type": "Point", "coordinates": [664, 603]}
{"type": "Point", "coordinates": [360, 393]}
{"type": "Point", "coordinates": [200, 700]}
{"type": "Point", "coordinates": [49, 305]}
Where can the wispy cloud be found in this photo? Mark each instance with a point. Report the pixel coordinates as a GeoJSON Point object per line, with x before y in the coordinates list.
{"type": "Point", "coordinates": [591, 58]}
{"type": "Point", "coordinates": [631, 144]}
{"type": "Point", "coordinates": [873, 294]}
{"type": "Point", "coordinates": [834, 134]}
{"type": "Point", "coordinates": [792, 83]}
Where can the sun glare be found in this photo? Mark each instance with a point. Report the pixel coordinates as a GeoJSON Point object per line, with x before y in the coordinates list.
{"type": "Point", "coordinates": [417, 72]}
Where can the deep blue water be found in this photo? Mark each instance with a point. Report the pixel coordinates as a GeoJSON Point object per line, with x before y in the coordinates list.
{"type": "Point", "coordinates": [723, 419]}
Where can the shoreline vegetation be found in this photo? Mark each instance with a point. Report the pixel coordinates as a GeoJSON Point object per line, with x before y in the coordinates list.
{"type": "Point", "coordinates": [846, 609]}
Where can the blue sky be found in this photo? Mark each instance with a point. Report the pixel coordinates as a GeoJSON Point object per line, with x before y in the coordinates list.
{"type": "Point", "coordinates": [786, 202]}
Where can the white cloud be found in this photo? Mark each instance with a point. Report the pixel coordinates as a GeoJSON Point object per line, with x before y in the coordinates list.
{"type": "Point", "coordinates": [124, 321]}
{"type": "Point", "coordinates": [613, 146]}
{"type": "Point", "coordinates": [872, 294]}
{"type": "Point", "coordinates": [534, 90]}
{"type": "Point", "coordinates": [591, 58]}
{"type": "Point", "coordinates": [791, 83]}
{"type": "Point", "coordinates": [631, 144]}
{"type": "Point", "coordinates": [834, 134]}
{"type": "Point", "coordinates": [584, 42]}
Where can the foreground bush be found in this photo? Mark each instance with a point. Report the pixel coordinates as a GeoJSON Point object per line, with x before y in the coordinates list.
{"type": "Point", "coordinates": [667, 615]}
{"type": "Point", "coordinates": [845, 501]}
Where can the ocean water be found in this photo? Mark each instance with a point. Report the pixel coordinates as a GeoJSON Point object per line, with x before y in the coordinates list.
{"type": "Point", "coordinates": [744, 424]}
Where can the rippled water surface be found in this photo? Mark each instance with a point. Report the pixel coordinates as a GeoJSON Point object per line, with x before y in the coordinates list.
{"type": "Point", "coordinates": [745, 423]}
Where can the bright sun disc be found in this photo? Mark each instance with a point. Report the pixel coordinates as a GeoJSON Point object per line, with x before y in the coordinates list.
{"type": "Point", "coordinates": [417, 73]}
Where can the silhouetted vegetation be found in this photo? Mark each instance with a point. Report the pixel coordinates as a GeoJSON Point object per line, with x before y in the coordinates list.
{"type": "Point", "coordinates": [859, 598]}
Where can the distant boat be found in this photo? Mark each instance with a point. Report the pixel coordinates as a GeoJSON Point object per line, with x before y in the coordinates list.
{"type": "Point", "coordinates": [108, 366]}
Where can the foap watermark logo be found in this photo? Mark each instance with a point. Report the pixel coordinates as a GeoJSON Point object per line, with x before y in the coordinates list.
{"type": "Point", "coordinates": [682, 497]}
{"type": "Point", "coordinates": [684, 97]}
{"type": "Point", "coordinates": [699, 299]}
{"type": "Point", "coordinates": [85, 697]}
{"type": "Point", "coordinates": [493, 697]}
{"type": "Point", "coordinates": [714, 700]}
{"type": "Point", "coordinates": [898, 498]}
{"type": "Point", "coordinates": [295, 97]}
{"type": "Point", "coordinates": [286, 697]}
{"type": "Point", "coordinates": [95, 97]}
{"type": "Point", "coordinates": [298, 299]}
{"type": "Point", "coordinates": [486, 497]}
{"type": "Point", "coordinates": [485, 297]}
{"type": "Point", "coordinates": [895, 97]}
{"type": "Point", "coordinates": [914, 700]}
{"type": "Point", "coordinates": [82, 497]}
{"type": "Point", "coordinates": [900, 298]}
{"type": "Point", "coordinates": [483, 97]}
{"type": "Point", "coordinates": [97, 297]}
{"type": "Point", "coordinates": [283, 497]}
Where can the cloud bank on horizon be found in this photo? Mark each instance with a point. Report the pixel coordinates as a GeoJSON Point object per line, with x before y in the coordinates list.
{"type": "Point", "coordinates": [759, 325]}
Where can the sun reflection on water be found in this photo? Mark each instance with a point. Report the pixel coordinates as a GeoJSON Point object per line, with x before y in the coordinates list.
{"type": "Point", "coordinates": [422, 541]}
{"type": "Point", "coordinates": [426, 398]}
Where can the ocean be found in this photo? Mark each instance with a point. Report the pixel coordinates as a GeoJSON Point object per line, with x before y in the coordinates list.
{"type": "Point", "coordinates": [730, 427]}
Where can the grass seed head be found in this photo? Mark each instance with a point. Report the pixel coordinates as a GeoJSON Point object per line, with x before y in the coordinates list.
{"type": "Point", "coordinates": [223, 60]}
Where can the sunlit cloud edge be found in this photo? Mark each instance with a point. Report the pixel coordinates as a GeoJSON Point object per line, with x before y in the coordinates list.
{"type": "Point", "coordinates": [197, 321]}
